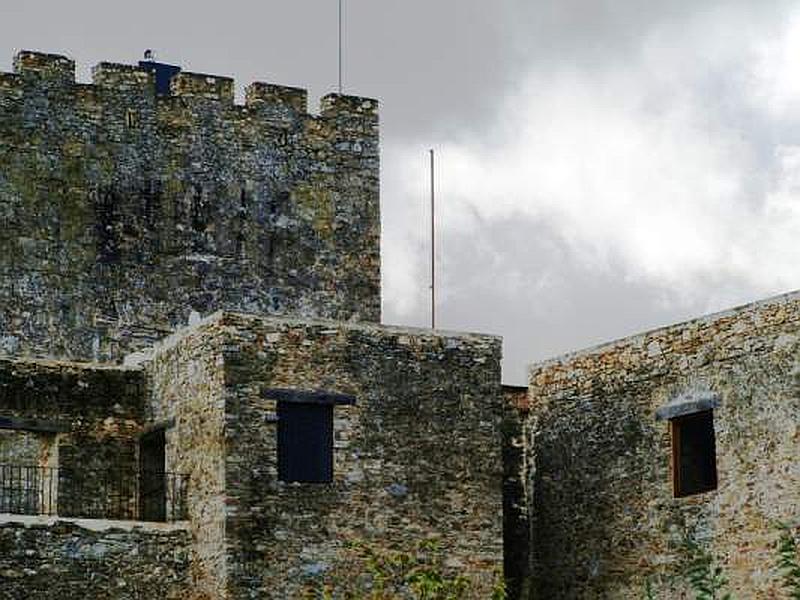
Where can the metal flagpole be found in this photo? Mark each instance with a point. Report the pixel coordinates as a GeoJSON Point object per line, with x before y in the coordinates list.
{"type": "Point", "coordinates": [433, 247]}
{"type": "Point", "coordinates": [340, 46]}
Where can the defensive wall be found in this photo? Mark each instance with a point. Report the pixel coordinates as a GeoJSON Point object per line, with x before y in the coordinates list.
{"type": "Point", "coordinates": [41, 559]}
{"type": "Point", "coordinates": [131, 207]}
{"type": "Point", "coordinates": [69, 436]}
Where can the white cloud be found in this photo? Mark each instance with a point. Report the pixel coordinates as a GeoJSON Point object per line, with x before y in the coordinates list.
{"type": "Point", "coordinates": [677, 167]}
{"type": "Point", "coordinates": [776, 86]}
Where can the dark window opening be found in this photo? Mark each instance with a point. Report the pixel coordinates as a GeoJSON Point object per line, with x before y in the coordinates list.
{"type": "Point", "coordinates": [694, 457]}
{"type": "Point", "coordinates": [152, 476]}
{"type": "Point", "coordinates": [305, 442]}
{"type": "Point", "coordinates": [198, 209]}
{"type": "Point", "coordinates": [107, 225]}
{"type": "Point", "coordinates": [132, 118]}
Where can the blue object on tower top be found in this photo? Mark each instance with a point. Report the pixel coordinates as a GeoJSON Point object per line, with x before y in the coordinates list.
{"type": "Point", "coordinates": [163, 72]}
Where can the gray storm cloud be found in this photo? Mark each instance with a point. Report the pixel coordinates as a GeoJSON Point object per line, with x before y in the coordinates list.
{"type": "Point", "coordinates": [660, 182]}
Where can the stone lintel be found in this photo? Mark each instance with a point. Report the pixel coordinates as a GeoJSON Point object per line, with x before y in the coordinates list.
{"type": "Point", "coordinates": [155, 426]}
{"type": "Point", "coordinates": [687, 404]}
{"type": "Point", "coordinates": [308, 397]}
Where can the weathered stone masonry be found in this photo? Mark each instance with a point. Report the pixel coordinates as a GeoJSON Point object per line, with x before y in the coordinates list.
{"type": "Point", "coordinates": [187, 386]}
{"type": "Point", "coordinates": [70, 562]}
{"type": "Point", "coordinates": [516, 529]}
{"type": "Point", "coordinates": [416, 457]}
{"type": "Point", "coordinates": [126, 213]}
{"type": "Point", "coordinates": [99, 410]}
{"type": "Point", "coordinates": [602, 510]}
{"type": "Point", "coordinates": [123, 211]}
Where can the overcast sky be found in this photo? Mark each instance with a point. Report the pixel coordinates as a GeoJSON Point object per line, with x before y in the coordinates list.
{"type": "Point", "coordinates": [605, 166]}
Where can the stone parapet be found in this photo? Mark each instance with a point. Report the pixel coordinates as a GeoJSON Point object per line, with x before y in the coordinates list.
{"type": "Point", "coordinates": [63, 560]}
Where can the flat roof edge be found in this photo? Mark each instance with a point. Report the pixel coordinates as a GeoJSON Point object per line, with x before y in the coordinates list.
{"type": "Point", "coordinates": [785, 298]}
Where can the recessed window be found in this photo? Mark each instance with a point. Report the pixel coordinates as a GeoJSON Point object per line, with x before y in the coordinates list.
{"type": "Point", "coordinates": [132, 118]}
{"type": "Point", "coordinates": [152, 476]}
{"type": "Point", "coordinates": [305, 442]}
{"type": "Point", "coordinates": [694, 456]}
{"type": "Point", "coordinates": [305, 433]}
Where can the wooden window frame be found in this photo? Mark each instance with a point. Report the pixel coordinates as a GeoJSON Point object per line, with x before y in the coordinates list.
{"type": "Point", "coordinates": [676, 425]}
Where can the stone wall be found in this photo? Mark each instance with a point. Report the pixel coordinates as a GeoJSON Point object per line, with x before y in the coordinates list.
{"type": "Point", "coordinates": [98, 412]}
{"type": "Point", "coordinates": [41, 561]}
{"type": "Point", "coordinates": [124, 212]}
{"type": "Point", "coordinates": [416, 457]}
{"type": "Point", "coordinates": [186, 389]}
{"type": "Point", "coordinates": [83, 393]}
{"type": "Point", "coordinates": [24, 447]}
{"type": "Point", "coordinates": [604, 519]}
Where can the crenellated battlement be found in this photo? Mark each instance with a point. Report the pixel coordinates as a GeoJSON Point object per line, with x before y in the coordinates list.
{"type": "Point", "coordinates": [122, 77]}
{"type": "Point", "coordinates": [55, 67]}
{"type": "Point", "coordinates": [333, 105]}
{"type": "Point", "coordinates": [131, 204]}
{"type": "Point", "coordinates": [259, 95]}
{"type": "Point", "coordinates": [275, 101]}
{"type": "Point", "coordinates": [201, 85]}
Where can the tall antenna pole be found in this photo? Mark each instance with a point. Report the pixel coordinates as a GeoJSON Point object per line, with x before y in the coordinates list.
{"type": "Point", "coordinates": [340, 46]}
{"type": "Point", "coordinates": [433, 247]}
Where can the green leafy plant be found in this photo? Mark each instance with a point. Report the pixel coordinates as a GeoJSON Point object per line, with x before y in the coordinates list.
{"type": "Point", "coordinates": [499, 591]}
{"type": "Point", "coordinates": [788, 562]}
{"type": "Point", "coordinates": [649, 594]}
{"type": "Point", "coordinates": [426, 579]}
{"type": "Point", "coordinates": [375, 573]}
{"type": "Point", "coordinates": [705, 578]}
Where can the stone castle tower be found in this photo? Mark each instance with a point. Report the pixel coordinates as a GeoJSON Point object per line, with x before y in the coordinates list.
{"type": "Point", "coordinates": [252, 453]}
{"type": "Point", "coordinates": [125, 210]}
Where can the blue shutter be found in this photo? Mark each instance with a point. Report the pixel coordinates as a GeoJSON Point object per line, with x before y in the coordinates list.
{"type": "Point", "coordinates": [305, 442]}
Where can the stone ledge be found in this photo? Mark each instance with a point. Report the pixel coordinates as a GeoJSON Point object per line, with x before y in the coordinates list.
{"type": "Point", "coordinates": [91, 524]}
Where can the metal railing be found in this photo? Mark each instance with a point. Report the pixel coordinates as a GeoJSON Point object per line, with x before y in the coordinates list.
{"type": "Point", "coordinates": [93, 494]}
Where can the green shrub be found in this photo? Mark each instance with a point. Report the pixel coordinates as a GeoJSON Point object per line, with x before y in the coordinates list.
{"type": "Point", "coordinates": [788, 562]}
{"type": "Point", "coordinates": [704, 577]}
